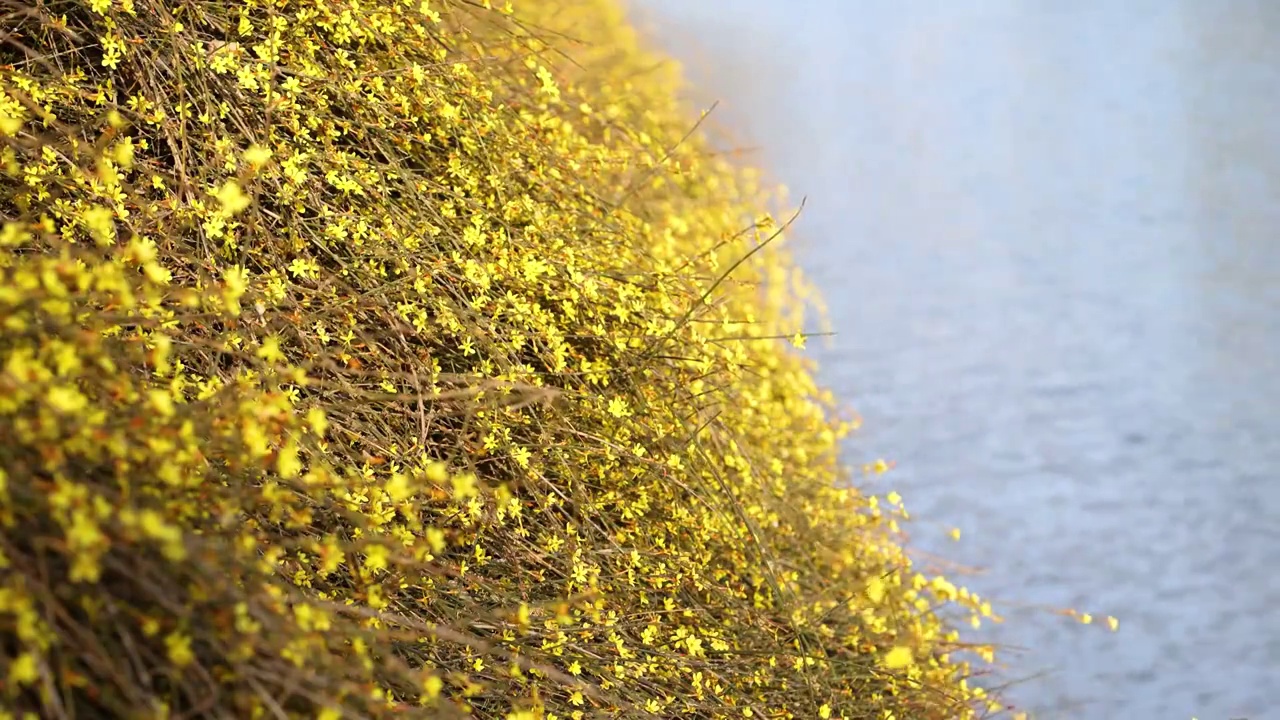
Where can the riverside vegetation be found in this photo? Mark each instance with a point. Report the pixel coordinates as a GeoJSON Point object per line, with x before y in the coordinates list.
{"type": "Point", "coordinates": [378, 358]}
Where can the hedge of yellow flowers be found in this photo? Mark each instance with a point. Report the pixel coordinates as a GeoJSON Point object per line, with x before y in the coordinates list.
{"type": "Point", "coordinates": [414, 358]}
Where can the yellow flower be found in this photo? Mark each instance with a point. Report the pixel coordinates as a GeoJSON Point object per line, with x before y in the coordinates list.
{"type": "Point", "coordinates": [257, 156]}
{"type": "Point", "coordinates": [270, 350]}
{"type": "Point", "coordinates": [464, 486]}
{"type": "Point", "coordinates": [435, 539]}
{"type": "Point", "coordinates": [232, 198]}
{"type": "Point", "coordinates": [432, 686]}
{"type": "Point", "coordinates": [24, 670]}
{"type": "Point", "coordinates": [317, 421]}
{"type": "Point", "coordinates": [618, 408]}
{"type": "Point", "coordinates": [898, 658]}
{"type": "Point", "coordinates": [875, 590]}
{"type": "Point", "coordinates": [425, 9]}
{"type": "Point", "coordinates": [288, 464]}
{"type": "Point", "coordinates": [179, 647]}
{"type": "Point", "coordinates": [521, 455]}
{"type": "Point", "coordinates": [161, 401]}
{"type": "Point", "coordinates": [100, 222]}
{"type": "Point", "coordinates": [437, 472]}
{"type": "Point", "coordinates": [10, 125]}
{"type": "Point", "coordinates": [66, 400]}
{"type": "Point", "coordinates": [13, 234]}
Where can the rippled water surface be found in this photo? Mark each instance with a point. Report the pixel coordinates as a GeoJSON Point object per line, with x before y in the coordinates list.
{"type": "Point", "coordinates": [1049, 236]}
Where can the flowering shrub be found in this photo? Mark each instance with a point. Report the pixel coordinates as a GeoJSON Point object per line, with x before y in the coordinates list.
{"type": "Point", "coordinates": [374, 358]}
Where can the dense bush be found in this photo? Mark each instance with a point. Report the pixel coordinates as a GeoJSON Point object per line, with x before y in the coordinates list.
{"type": "Point", "coordinates": [374, 358]}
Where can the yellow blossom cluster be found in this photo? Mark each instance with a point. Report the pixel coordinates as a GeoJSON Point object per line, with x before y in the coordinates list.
{"type": "Point", "coordinates": [411, 358]}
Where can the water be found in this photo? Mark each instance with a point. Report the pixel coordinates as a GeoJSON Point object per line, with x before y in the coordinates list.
{"type": "Point", "coordinates": [1049, 236]}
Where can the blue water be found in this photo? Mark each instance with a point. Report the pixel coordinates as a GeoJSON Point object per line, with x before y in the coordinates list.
{"type": "Point", "coordinates": [1049, 237]}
